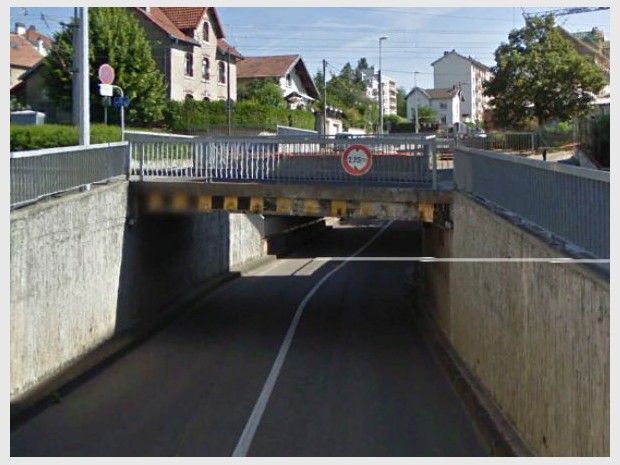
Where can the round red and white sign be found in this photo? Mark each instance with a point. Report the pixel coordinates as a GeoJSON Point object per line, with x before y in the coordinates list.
{"type": "Point", "coordinates": [106, 74]}
{"type": "Point", "coordinates": [357, 160]}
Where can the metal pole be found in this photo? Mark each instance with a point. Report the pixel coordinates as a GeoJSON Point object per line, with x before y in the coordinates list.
{"type": "Point", "coordinates": [84, 80]}
{"type": "Point", "coordinates": [381, 39]}
{"type": "Point", "coordinates": [228, 102]}
{"type": "Point", "coordinates": [75, 68]}
{"type": "Point", "coordinates": [415, 101]}
{"type": "Point", "coordinates": [324, 98]}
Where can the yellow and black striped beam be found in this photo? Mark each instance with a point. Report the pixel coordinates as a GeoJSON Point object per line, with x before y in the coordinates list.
{"type": "Point", "coordinates": [182, 202]}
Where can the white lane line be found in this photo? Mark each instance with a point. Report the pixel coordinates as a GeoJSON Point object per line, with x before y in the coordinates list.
{"type": "Point", "coordinates": [245, 441]}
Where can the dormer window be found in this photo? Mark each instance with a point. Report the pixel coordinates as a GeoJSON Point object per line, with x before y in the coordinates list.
{"type": "Point", "coordinates": [205, 31]}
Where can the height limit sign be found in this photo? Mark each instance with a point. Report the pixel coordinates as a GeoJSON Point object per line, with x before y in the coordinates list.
{"type": "Point", "coordinates": [357, 160]}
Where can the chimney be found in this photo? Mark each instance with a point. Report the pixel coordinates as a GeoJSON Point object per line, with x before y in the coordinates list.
{"type": "Point", "coordinates": [40, 47]}
{"type": "Point", "coordinates": [20, 29]}
{"type": "Point", "coordinates": [147, 9]}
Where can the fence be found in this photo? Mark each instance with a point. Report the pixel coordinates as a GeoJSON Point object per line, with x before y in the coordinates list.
{"type": "Point", "coordinates": [568, 201]}
{"type": "Point", "coordinates": [39, 173]}
{"type": "Point", "coordinates": [521, 142]}
{"type": "Point", "coordinates": [312, 158]}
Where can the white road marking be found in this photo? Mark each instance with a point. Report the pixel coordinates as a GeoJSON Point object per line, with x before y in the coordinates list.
{"type": "Point", "coordinates": [245, 441]}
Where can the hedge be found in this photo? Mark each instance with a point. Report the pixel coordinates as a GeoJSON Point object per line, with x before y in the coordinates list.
{"type": "Point", "coordinates": [46, 136]}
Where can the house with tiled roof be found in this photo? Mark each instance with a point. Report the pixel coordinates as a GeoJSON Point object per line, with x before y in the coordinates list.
{"type": "Point", "coordinates": [190, 48]}
{"type": "Point", "coordinates": [289, 71]}
{"type": "Point", "coordinates": [27, 48]}
{"type": "Point", "coordinates": [454, 69]}
{"type": "Point", "coordinates": [445, 101]}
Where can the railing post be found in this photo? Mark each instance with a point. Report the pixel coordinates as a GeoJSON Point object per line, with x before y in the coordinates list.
{"type": "Point", "coordinates": [142, 163]}
{"type": "Point", "coordinates": [434, 158]}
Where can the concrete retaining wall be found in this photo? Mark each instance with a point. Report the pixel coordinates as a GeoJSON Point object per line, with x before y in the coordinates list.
{"type": "Point", "coordinates": [84, 270]}
{"type": "Point", "coordinates": [66, 259]}
{"type": "Point", "coordinates": [536, 335]}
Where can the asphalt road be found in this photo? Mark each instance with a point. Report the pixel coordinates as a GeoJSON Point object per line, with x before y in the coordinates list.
{"type": "Point", "coordinates": [304, 356]}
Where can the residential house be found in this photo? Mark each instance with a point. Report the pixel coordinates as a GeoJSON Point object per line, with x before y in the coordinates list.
{"type": "Point", "coordinates": [445, 101]}
{"type": "Point", "coordinates": [371, 80]}
{"type": "Point", "coordinates": [191, 51]}
{"type": "Point", "coordinates": [290, 73]}
{"type": "Point", "coordinates": [27, 48]}
{"type": "Point", "coordinates": [453, 69]}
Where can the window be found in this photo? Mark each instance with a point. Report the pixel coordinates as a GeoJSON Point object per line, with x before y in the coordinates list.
{"type": "Point", "coordinates": [443, 106]}
{"type": "Point", "coordinates": [221, 72]}
{"type": "Point", "coordinates": [288, 80]}
{"type": "Point", "coordinates": [205, 69]}
{"type": "Point", "coordinates": [189, 64]}
{"type": "Point", "coordinates": [205, 31]}
{"type": "Point", "coordinates": [444, 119]}
{"type": "Point", "coordinates": [189, 97]}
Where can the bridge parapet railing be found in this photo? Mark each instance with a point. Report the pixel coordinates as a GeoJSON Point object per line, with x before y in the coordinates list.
{"type": "Point", "coordinates": [39, 173]}
{"type": "Point", "coordinates": [568, 201]}
{"type": "Point", "coordinates": [311, 158]}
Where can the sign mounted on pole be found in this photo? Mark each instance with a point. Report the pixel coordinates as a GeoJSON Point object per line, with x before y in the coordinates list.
{"type": "Point", "coordinates": [106, 74]}
{"type": "Point", "coordinates": [106, 90]}
{"type": "Point", "coordinates": [357, 160]}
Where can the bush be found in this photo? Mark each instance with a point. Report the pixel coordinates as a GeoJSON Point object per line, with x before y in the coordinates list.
{"type": "Point", "coordinates": [58, 135]}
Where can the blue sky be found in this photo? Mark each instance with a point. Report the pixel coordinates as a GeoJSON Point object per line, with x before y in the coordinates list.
{"type": "Point", "coordinates": [416, 36]}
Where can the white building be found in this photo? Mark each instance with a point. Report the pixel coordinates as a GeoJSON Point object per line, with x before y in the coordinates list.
{"type": "Point", "coordinates": [453, 69]}
{"type": "Point", "coordinates": [371, 79]}
{"type": "Point", "coordinates": [446, 103]}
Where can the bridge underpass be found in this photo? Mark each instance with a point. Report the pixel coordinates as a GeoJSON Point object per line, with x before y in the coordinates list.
{"type": "Point", "coordinates": [478, 306]}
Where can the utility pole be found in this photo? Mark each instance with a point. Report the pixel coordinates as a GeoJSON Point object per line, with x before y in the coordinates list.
{"type": "Point", "coordinates": [324, 98]}
{"type": "Point", "coordinates": [415, 99]}
{"type": "Point", "coordinates": [381, 39]}
{"type": "Point", "coordinates": [75, 68]}
{"type": "Point", "coordinates": [84, 80]}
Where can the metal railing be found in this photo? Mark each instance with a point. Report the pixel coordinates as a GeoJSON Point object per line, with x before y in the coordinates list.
{"type": "Point", "coordinates": [520, 142]}
{"type": "Point", "coordinates": [39, 173]}
{"type": "Point", "coordinates": [570, 202]}
{"type": "Point", "coordinates": [314, 159]}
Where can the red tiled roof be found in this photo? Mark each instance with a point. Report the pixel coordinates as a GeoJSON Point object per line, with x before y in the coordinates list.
{"type": "Point", "coordinates": [159, 18]}
{"type": "Point", "coordinates": [23, 54]}
{"type": "Point", "coordinates": [33, 36]}
{"type": "Point", "coordinates": [225, 47]}
{"type": "Point", "coordinates": [276, 66]}
{"type": "Point", "coordinates": [184, 18]}
{"type": "Point", "coordinates": [273, 66]}
{"type": "Point", "coordinates": [446, 93]}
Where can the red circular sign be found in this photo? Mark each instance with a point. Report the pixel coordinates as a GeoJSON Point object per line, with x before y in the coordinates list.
{"type": "Point", "coordinates": [106, 74]}
{"type": "Point", "coordinates": [357, 160]}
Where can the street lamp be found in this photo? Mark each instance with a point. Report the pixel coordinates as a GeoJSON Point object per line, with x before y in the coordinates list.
{"type": "Point", "coordinates": [381, 39]}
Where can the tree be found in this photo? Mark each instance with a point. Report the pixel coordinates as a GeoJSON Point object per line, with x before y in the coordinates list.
{"type": "Point", "coordinates": [539, 75]}
{"type": "Point", "coordinates": [115, 37]}
{"type": "Point", "coordinates": [426, 114]}
{"type": "Point", "coordinates": [263, 91]}
{"type": "Point", "coordinates": [401, 102]}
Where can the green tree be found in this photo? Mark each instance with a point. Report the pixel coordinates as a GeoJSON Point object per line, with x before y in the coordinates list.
{"type": "Point", "coordinates": [263, 91]}
{"type": "Point", "coordinates": [539, 75]}
{"type": "Point", "coordinates": [116, 38]}
{"type": "Point", "coordinates": [427, 114]}
{"type": "Point", "coordinates": [401, 102]}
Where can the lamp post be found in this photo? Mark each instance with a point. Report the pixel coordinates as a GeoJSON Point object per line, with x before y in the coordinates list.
{"type": "Point", "coordinates": [381, 39]}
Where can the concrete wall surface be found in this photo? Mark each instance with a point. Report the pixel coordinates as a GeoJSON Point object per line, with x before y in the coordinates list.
{"type": "Point", "coordinates": [65, 266]}
{"type": "Point", "coordinates": [85, 268]}
{"type": "Point", "coordinates": [535, 334]}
